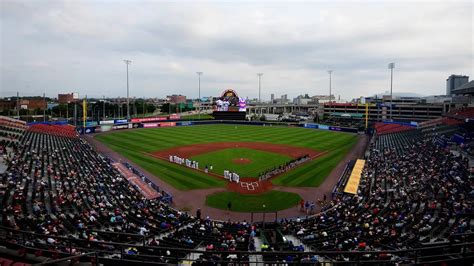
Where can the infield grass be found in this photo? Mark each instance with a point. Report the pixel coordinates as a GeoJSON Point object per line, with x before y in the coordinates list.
{"type": "Point", "coordinates": [259, 161]}
{"type": "Point", "coordinates": [273, 201]}
{"type": "Point", "coordinates": [134, 144]}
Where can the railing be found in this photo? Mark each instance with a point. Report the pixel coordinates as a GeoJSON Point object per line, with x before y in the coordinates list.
{"type": "Point", "coordinates": [111, 252]}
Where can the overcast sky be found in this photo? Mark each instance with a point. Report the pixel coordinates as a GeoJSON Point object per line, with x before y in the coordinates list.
{"type": "Point", "coordinates": [79, 46]}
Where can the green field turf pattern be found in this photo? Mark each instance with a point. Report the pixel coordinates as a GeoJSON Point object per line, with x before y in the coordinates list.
{"type": "Point", "coordinates": [223, 160]}
{"type": "Point", "coordinates": [273, 201]}
{"type": "Point", "coordinates": [133, 143]}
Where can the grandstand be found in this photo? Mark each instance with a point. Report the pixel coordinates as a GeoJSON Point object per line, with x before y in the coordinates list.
{"type": "Point", "coordinates": [63, 202]}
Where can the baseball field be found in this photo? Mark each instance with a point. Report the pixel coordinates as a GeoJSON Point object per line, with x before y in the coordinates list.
{"type": "Point", "coordinates": [244, 149]}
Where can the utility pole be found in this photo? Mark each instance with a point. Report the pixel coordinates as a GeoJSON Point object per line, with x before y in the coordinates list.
{"type": "Point", "coordinates": [103, 107]}
{"type": "Point", "coordinates": [143, 106]}
{"type": "Point", "coordinates": [128, 62]}
{"type": "Point", "coordinates": [330, 85]}
{"type": "Point", "coordinates": [199, 94]}
{"type": "Point", "coordinates": [330, 90]}
{"type": "Point", "coordinates": [259, 86]}
{"type": "Point", "coordinates": [44, 107]}
{"type": "Point", "coordinates": [391, 66]}
{"type": "Point", "coordinates": [18, 104]}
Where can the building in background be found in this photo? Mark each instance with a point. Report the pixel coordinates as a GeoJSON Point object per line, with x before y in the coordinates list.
{"type": "Point", "coordinates": [32, 103]}
{"type": "Point", "coordinates": [175, 99]}
{"type": "Point", "coordinates": [66, 98]}
{"type": "Point", "coordinates": [455, 81]}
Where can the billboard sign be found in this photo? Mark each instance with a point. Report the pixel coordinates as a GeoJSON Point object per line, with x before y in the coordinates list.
{"type": "Point", "coordinates": [149, 125]}
{"type": "Point", "coordinates": [120, 121]}
{"type": "Point", "coordinates": [107, 122]}
{"type": "Point", "coordinates": [120, 127]}
{"type": "Point", "coordinates": [168, 124]}
{"type": "Point", "coordinates": [148, 119]}
{"type": "Point", "coordinates": [175, 117]}
{"type": "Point", "coordinates": [323, 127]}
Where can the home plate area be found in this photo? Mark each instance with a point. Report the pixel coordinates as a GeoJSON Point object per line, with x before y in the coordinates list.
{"type": "Point", "coordinates": [250, 186]}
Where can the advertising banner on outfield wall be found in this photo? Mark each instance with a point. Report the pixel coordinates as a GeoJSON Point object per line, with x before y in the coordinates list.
{"type": "Point", "coordinates": [120, 127]}
{"type": "Point", "coordinates": [310, 125]}
{"type": "Point", "coordinates": [148, 125]}
{"type": "Point", "coordinates": [323, 127]}
{"type": "Point", "coordinates": [167, 124]}
{"type": "Point", "coordinates": [106, 122]}
{"type": "Point", "coordinates": [88, 130]}
{"type": "Point", "coordinates": [120, 121]}
{"type": "Point", "coordinates": [185, 123]}
{"type": "Point", "coordinates": [148, 119]}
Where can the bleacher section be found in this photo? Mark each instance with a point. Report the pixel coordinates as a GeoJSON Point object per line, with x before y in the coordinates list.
{"type": "Point", "coordinates": [382, 128]}
{"type": "Point", "coordinates": [56, 130]}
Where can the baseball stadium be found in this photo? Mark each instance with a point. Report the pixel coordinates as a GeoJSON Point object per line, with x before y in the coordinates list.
{"type": "Point", "coordinates": [228, 133]}
{"type": "Point", "coordinates": [165, 190]}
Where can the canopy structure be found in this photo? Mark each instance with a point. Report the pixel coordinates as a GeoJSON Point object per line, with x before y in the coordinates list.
{"type": "Point", "coordinates": [354, 180]}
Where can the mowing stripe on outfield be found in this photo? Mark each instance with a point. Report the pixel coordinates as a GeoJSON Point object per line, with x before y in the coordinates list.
{"type": "Point", "coordinates": [134, 143]}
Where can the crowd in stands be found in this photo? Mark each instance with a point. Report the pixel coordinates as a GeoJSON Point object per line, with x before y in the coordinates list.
{"type": "Point", "coordinates": [61, 187]}
{"type": "Point", "coordinates": [412, 191]}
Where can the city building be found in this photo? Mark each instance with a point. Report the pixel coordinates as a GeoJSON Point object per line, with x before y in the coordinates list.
{"type": "Point", "coordinates": [380, 111]}
{"type": "Point", "coordinates": [174, 99]}
{"type": "Point", "coordinates": [67, 98]}
{"type": "Point", "coordinates": [455, 81]}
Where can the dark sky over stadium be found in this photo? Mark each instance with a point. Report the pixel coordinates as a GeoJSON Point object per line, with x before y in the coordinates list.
{"type": "Point", "coordinates": [79, 46]}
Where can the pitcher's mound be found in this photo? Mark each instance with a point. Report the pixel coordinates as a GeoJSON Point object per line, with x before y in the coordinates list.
{"type": "Point", "coordinates": [241, 161]}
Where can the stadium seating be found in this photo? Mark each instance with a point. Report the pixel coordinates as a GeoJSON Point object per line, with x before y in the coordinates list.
{"type": "Point", "coordinates": [60, 198]}
{"type": "Point", "coordinates": [382, 128]}
{"type": "Point", "coordinates": [413, 192]}
{"type": "Point", "coordinates": [56, 130]}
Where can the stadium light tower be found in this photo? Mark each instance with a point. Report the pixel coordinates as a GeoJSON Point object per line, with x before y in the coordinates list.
{"type": "Point", "coordinates": [128, 62]}
{"type": "Point", "coordinates": [391, 66]}
{"type": "Point", "coordinates": [199, 93]}
{"type": "Point", "coordinates": [330, 88]}
{"type": "Point", "coordinates": [259, 85]}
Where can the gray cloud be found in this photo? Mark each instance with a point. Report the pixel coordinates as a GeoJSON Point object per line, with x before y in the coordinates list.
{"type": "Point", "coordinates": [63, 46]}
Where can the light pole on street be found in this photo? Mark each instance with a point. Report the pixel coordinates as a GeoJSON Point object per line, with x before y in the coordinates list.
{"type": "Point", "coordinates": [199, 94]}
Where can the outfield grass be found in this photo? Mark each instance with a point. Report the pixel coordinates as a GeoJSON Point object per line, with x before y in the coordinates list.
{"type": "Point", "coordinates": [273, 201]}
{"type": "Point", "coordinates": [260, 160]}
{"type": "Point", "coordinates": [133, 144]}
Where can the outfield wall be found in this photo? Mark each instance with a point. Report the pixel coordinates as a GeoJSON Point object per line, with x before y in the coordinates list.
{"type": "Point", "coordinates": [121, 126]}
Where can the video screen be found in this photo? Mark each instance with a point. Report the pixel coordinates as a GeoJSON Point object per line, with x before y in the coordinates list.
{"type": "Point", "coordinates": [229, 101]}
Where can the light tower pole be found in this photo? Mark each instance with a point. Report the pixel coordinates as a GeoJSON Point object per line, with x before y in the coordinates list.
{"type": "Point", "coordinates": [330, 85]}
{"type": "Point", "coordinates": [259, 86]}
{"type": "Point", "coordinates": [391, 66]}
{"type": "Point", "coordinates": [199, 94]}
{"type": "Point", "coordinates": [128, 62]}
{"type": "Point", "coordinates": [330, 90]}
